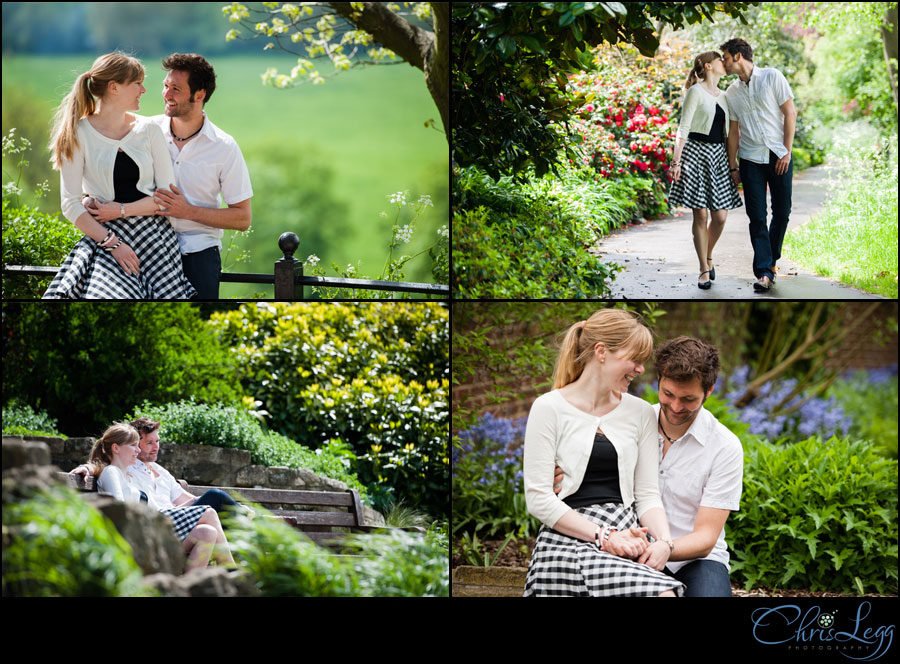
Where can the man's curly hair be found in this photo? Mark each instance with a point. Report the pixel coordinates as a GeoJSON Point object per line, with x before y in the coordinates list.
{"type": "Point", "coordinates": [201, 75]}
{"type": "Point", "coordinates": [683, 358]}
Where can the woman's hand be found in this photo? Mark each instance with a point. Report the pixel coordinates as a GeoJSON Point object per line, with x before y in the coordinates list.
{"type": "Point", "coordinates": [627, 544]}
{"type": "Point", "coordinates": [675, 172]}
{"type": "Point", "coordinates": [656, 555]}
{"type": "Point", "coordinates": [126, 258]}
{"type": "Point", "coordinates": [104, 212]}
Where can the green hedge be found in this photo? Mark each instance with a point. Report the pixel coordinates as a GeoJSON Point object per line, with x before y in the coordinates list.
{"type": "Point", "coordinates": [816, 514]}
{"type": "Point", "coordinates": [87, 363]}
{"type": "Point", "coordinates": [373, 375]}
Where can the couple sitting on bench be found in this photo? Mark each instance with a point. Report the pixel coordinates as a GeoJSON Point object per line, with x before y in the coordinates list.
{"type": "Point", "coordinates": [123, 460]}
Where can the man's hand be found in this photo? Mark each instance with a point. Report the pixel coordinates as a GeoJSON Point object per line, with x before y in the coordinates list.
{"type": "Point", "coordinates": [81, 470]}
{"type": "Point", "coordinates": [174, 202]}
{"type": "Point", "coordinates": [656, 555]}
{"type": "Point", "coordinates": [557, 479]}
{"type": "Point", "coordinates": [781, 166]}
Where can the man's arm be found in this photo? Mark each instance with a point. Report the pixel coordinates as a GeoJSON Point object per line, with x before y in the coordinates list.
{"type": "Point", "coordinates": [790, 123]}
{"type": "Point", "coordinates": [236, 216]}
{"type": "Point", "coordinates": [700, 543]}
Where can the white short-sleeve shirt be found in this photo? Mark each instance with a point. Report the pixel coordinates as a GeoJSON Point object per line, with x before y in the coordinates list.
{"type": "Point", "coordinates": [756, 105]}
{"type": "Point", "coordinates": [704, 468]}
{"type": "Point", "coordinates": [208, 167]}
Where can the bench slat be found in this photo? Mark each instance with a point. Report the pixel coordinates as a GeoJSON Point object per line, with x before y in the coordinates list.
{"type": "Point", "coordinates": [284, 496]}
{"type": "Point", "coordinates": [303, 518]}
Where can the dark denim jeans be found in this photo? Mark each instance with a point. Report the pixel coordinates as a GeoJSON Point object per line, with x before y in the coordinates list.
{"type": "Point", "coordinates": [217, 499]}
{"type": "Point", "coordinates": [202, 269]}
{"type": "Point", "coordinates": [766, 239]}
{"type": "Point", "coordinates": [704, 578]}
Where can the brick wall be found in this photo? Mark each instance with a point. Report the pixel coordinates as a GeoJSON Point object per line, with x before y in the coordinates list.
{"type": "Point", "coordinates": [712, 323]}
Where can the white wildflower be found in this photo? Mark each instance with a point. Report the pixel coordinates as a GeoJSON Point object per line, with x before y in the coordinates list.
{"type": "Point", "coordinates": [312, 260]}
{"type": "Point", "coordinates": [404, 233]}
{"type": "Point", "coordinates": [399, 198]}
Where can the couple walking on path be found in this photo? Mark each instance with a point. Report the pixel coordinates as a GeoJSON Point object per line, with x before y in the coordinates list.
{"type": "Point", "coordinates": [754, 120]}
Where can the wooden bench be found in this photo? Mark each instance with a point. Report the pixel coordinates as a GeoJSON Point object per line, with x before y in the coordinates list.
{"type": "Point", "coordinates": [345, 509]}
{"type": "Point", "coordinates": [346, 512]}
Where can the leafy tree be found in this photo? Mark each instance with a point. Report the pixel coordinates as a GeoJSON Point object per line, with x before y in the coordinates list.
{"type": "Point", "coordinates": [86, 364]}
{"type": "Point", "coordinates": [341, 30]}
{"type": "Point", "coordinates": [510, 63]}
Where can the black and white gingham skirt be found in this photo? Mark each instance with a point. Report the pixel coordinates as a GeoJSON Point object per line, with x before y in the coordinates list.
{"type": "Point", "coordinates": [91, 273]}
{"type": "Point", "coordinates": [185, 518]}
{"type": "Point", "coordinates": [705, 181]}
{"type": "Point", "coordinates": [565, 566]}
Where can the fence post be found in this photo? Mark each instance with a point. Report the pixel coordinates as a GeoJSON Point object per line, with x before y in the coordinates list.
{"type": "Point", "coordinates": [288, 268]}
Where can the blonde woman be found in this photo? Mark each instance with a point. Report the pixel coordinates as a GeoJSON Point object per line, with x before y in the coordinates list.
{"type": "Point", "coordinates": [701, 180]}
{"type": "Point", "coordinates": [103, 149]}
{"type": "Point", "coordinates": [197, 526]}
{"type": "Point", "coordinates": [604, 440]}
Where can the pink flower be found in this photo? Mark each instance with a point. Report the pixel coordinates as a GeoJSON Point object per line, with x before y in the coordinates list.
{"type": "Point", "coordinates": [502, 98]}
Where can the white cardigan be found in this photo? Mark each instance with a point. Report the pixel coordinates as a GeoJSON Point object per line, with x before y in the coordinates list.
{"type": "Point", "coordinates": [699, 110]}
{"type": "Point", "coordinates": [90, 171]}
{"type": "Point", "coordinates": [559, 433]}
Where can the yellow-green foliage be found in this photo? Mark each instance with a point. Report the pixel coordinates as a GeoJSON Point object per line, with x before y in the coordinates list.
{"type": "Point", "coordinates": [375, 375]}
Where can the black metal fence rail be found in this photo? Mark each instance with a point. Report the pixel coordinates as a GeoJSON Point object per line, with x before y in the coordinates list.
{"type": "Point", "coordinates": [287, 277]}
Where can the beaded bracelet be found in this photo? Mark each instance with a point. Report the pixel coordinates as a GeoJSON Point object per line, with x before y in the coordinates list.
{"type": "Point", "coordinates": [114, 246]}
{"type": "Point", "coordinates": [108, 235]}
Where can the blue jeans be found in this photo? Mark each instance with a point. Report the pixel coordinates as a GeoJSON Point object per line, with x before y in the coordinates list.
{"type": "Point", "coordinates": [202, 269]}
{"type": "Point", "coordinates": [766, 239]}
{"type": "Point", "coordinates": [704, 578]}
{"type": "Point", "coordinates": [217, 499]}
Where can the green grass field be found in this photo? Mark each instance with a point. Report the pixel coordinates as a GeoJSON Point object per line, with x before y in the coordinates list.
{"type": "Point", "coordinates": [323, 159]}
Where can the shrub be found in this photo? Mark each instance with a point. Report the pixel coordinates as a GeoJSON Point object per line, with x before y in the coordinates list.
{"type": "Point", "coordinates": [373, 375]}
{"type": "Point", "coordinates": [86, 364]}
{"type": "Point", "coordinates": [818, 514]}
{"type": "Point", "coordinates": [20, 419]}
{"type": "Point", "coordinates": [56, 545]}
{"type": "Point", "coordinates": [284, 563]}
{"type": "Point", "coordinates": [32, 237]}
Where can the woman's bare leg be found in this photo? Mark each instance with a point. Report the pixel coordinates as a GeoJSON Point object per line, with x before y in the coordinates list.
{"type": "Point", "coordinates": [714, 232]}
{"type": "Point", "coordinates": [198, 545]}
{"type": "Point", "coordinates": [668, 593]}
{"type": "Point", "coordinates": [221, 552]}
{"type": "Point", "coordinates": [701, 242]}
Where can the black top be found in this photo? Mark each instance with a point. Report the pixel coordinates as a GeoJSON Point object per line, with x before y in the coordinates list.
{"type": "Point", "coordinates": [601, 479]}
{"type": "Point", "coordinates": [716, 132]}
{"type": "Point", "coordinates": [125, 178]}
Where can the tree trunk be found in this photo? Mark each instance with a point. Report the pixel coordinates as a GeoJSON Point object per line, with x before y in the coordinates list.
{"type": "Point", "coordinates": [428, 51]}
{"type": "Point", "coordinates": [890, 48]}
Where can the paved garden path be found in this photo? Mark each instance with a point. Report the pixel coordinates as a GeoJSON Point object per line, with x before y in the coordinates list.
{"type": "Point", "coordinates": [660, 262]}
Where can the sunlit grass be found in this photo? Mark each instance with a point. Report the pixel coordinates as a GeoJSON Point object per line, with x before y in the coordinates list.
{"type": "Point", "coordinates": [854, 240]}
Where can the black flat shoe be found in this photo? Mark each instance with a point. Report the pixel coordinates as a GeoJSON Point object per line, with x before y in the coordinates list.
{"type": "Point", "coordinates": [705, 285]}
{"type": "Point", "coordinates": [763, 284]}
{"type": "Point", "coordinates": [712, 269]}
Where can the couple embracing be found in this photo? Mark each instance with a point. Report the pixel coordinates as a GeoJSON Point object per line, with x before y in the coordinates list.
{"type": "Point", "coordinates": [754, 117]}
{"type": "Point", "coordinates": [633, 498]}
{"type": "Point", "coordinates": [145, 190]}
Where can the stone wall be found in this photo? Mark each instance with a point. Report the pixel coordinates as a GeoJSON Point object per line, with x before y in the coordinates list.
{"type": "Point", "coordinates": [206, 465]}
